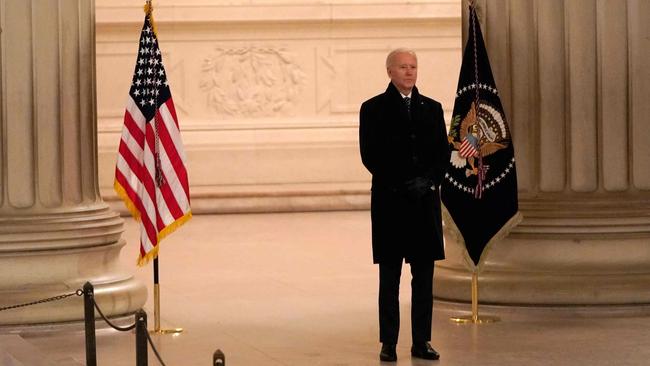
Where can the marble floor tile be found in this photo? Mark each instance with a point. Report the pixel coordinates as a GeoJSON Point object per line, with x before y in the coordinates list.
{"type": "Point", "coordinates": [300, 289]}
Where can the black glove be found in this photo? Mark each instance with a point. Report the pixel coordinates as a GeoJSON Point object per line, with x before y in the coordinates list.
{"type": "Point", "coordinates": [417, 187]}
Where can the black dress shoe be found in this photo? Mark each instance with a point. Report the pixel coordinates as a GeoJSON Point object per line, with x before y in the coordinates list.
{"type": "Point", "coordinates": [388, 353]}
{"type": "Point", "coordinates": [425, 351]}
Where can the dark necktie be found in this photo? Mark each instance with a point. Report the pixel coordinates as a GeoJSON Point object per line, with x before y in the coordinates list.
{"type": "Point", "coordinates": [407, 100]}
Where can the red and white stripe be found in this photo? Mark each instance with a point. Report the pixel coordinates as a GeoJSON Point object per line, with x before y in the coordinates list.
{"type": "Point", "coordinates": [467, 149]}
{"type": "Point", "coordinates": [159, 209]}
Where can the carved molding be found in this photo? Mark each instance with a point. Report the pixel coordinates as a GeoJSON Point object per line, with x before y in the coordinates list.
{"type": "Point", "coordinates": [251, 81]}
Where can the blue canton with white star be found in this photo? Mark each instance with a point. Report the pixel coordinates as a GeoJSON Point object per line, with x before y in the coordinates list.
{"type": "Point", "coordinates": [149, 88]}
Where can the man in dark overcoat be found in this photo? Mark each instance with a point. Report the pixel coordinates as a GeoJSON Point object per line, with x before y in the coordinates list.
{"type": "Point", "coordinates": [403, 143]}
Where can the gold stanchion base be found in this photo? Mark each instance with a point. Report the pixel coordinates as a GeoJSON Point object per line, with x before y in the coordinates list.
{"type": "Point", "coordinates": [173, 331]}
{"type": "Point", "coordinates": [474, 320]}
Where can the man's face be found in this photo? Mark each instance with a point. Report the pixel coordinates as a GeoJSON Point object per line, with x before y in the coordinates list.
{"type": "Point", "coordinates": [403, 71]}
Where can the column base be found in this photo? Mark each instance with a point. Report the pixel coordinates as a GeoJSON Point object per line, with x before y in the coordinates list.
{"type": "Point", "coordinates": [556, 261]}
{"type": "Point", "coordinates": [544, 289]}
{"type": "Point", "coordinates": [116, 292]}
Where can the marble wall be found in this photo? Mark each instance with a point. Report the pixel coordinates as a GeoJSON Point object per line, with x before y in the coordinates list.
{"type": "Point", "coordinates": [268, 91]}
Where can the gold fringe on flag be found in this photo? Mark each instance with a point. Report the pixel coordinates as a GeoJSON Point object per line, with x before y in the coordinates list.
{"type": "Point", "coordinates": [174, 225]}
{"type": "Point", "coordinates": [121, 192]}
{"type": "Point", "coordinates": [153, 253]}
{"type": "Point", "coordinates": [455, 235]}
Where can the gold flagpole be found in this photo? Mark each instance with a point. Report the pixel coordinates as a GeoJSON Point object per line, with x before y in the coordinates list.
{"type": "Point", "coordinates": [474, 318]}
{"type": "Point", "coordinates": [148, 9]}
{"type": "Point", "coordinates": [156, 304]}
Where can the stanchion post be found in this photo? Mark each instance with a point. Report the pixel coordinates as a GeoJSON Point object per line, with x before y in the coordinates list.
{"type": "Point", "coordinates": [141, 349]}
{"type": "Point", "coordinates": [218, 358]}
{"type": "Point", "coordinates": [89, 319]}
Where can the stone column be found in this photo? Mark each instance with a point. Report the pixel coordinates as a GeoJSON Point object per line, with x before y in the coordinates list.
{"type": "Point", "coordinates": [574, 76]}
{"type": "Point", "coordinates": [56, 233]}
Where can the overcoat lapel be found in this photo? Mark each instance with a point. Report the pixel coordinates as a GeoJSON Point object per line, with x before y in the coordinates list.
{"type": "Point", "coordinates": [415, 106]}
{"type": "Point", "coordinates": [394, 103]}
{"type": "Point", "coordinates": [399, 110]}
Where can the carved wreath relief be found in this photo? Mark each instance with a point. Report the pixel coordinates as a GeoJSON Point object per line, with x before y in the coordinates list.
{"type": "Point", "coordinates": [251, 81]}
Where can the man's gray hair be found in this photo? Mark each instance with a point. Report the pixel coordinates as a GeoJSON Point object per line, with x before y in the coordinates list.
{"type": "Point", "coordinates": [391, 55]}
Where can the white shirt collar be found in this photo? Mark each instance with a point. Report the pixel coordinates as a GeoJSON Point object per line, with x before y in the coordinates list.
{"type": "Point", "coordinates": [406, 96]}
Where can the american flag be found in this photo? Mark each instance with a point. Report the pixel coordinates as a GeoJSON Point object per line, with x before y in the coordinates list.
{"type": "Point", "coordinates": [150, 174]}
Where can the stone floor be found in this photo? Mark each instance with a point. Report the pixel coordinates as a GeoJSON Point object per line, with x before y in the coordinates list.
{"type": "Point", "coordinates": [300, 289]}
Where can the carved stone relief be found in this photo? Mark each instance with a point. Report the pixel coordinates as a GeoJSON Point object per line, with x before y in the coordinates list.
{"type": "Point", "coordinates": [251, 81]}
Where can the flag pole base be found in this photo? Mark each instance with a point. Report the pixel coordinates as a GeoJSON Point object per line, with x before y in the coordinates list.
{"type": "Point", "coordinates": [173, 331]}
{"type": "Point", "coordinates": [156, 313]}
{"type": "Point", "coordinates": [474, 318]}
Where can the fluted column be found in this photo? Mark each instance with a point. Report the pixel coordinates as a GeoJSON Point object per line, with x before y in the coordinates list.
{"type": "Point", "coordinates": [574, 76]}
{"type": "Point", "coordinates": [56, 233]}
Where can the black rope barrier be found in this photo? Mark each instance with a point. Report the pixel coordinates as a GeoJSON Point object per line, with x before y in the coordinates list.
{"type": "Point", "coordinates": [141, 350]}
{"type": "Point", "coordinates": [89, 322]}
{"type": "Point", "coordinates": [153, 348]}
{"type": "Point", "coordinates": [116, 327]}
{"type": "Point", "coordinates": [90, 305]}
{"type": "Point", "coordinates": [218, 358]}
{"type": "Point", "coordinates": [79, 292]}
{"type": "Point", "coordinates": [140, 325]}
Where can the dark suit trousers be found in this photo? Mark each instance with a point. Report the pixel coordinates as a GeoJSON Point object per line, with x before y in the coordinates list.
{"type": "Point", "coordinates": [421, 301]}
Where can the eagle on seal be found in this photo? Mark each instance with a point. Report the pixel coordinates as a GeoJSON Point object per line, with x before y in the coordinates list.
{"type": "Point", "coordinates": [481, 133]}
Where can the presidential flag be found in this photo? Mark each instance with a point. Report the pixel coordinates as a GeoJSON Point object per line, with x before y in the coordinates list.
{"type": "Point", "coordinates": [150, 174]}
{"type": "Point", "coordinates": [479, 191]}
